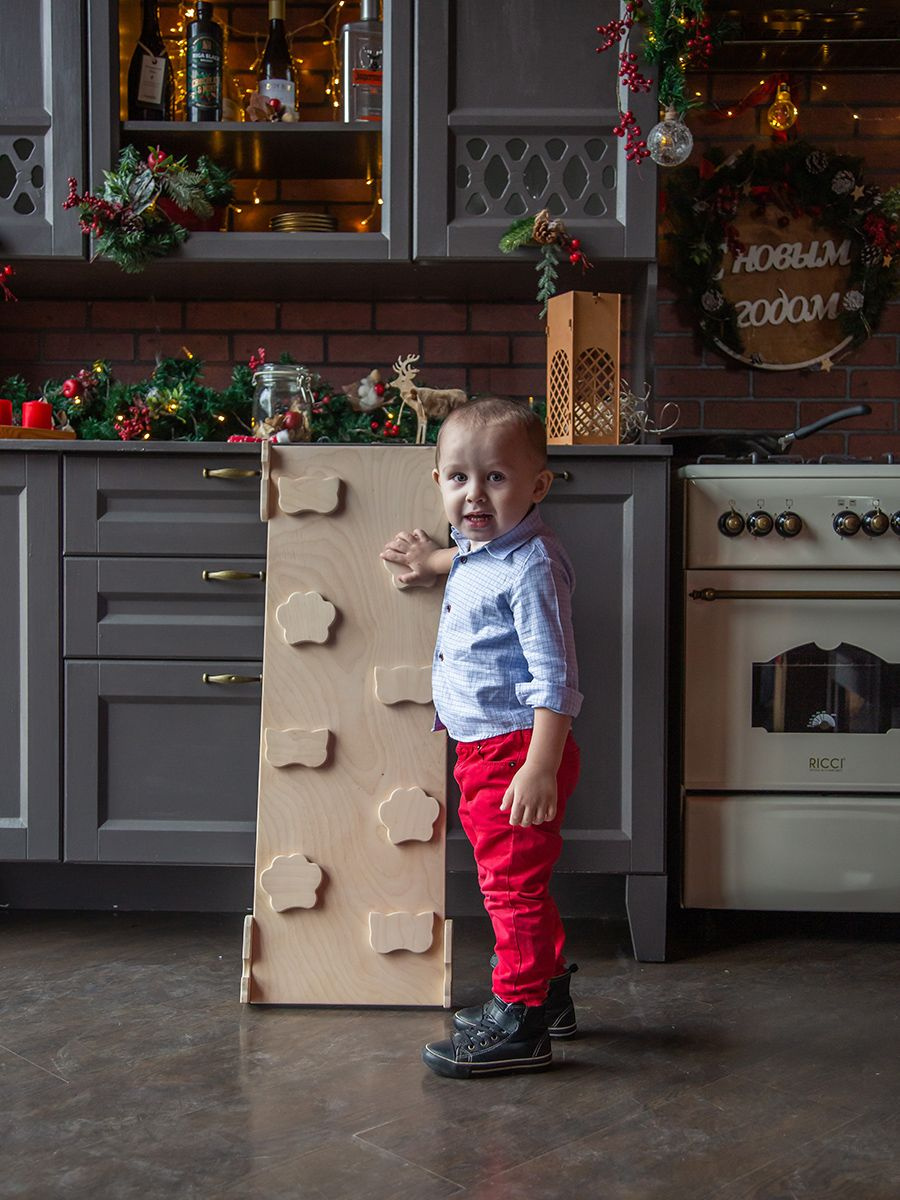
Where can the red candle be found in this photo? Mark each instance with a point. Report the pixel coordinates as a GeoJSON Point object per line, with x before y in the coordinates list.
{"type": "Point", "coordinates": [37, 414]}
{"type": "Point", "coordinates": [5, 412]}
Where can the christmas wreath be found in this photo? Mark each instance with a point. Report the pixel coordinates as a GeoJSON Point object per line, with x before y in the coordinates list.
{"type": "Point", "coordinates": [140, 213]}
{"type": "Point", "coordinates": [701, 206]}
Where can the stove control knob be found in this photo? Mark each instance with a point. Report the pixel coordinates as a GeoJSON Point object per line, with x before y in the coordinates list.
{"type": "Point", "coordinates": [875, 522]}
{"type": "Point", "coordinates": [847, 523]}
{"type": "Point", "coordinates": [760, 523]}
{"type": "Point", "coordinates": [788, 524]}
{"type": "Point", "coordinates": [731, 523]}
{"type": "Point", "coordinates": [895, 522]}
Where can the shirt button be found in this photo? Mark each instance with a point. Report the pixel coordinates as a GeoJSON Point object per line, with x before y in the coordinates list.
{"type": "Point", "coordinates": [441, 657]}
{"type": "Point", "coordinates": [463, 558]}
{"type": "Point", "coordinates": [447, 608]}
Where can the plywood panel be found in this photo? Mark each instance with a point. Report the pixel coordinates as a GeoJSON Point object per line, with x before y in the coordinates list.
{"type": "Point", "coordinates": [330, 814]}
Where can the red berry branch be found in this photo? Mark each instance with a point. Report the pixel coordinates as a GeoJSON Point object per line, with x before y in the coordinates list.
{"type": "Point", "coordinates": [6, 273]}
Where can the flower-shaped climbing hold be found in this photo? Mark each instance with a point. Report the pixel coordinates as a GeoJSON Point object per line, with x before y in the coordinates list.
{"type": "Point", "coordinates": [409, 815]}
{"type": "Point", "coordinates": [291, 882]}
{"type": "Point", "coordinates": [305, 617]}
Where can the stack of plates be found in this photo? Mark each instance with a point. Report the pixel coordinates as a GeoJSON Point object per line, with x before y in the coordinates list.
{"type": "Point", "coordinates": [303, 222]}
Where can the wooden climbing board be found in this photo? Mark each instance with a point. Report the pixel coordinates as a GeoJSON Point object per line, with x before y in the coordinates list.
{"type": "Point", "coordinates": [349, 885]}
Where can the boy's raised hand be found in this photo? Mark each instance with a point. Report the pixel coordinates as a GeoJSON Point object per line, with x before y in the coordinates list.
{"type": "Point", "coordinates": [415, 551]}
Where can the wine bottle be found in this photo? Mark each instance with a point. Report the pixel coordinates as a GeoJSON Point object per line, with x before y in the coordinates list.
{"type": "Point", "coordinates": [276, 70]}
{"type": "Point", "coordinates": [362, 50]}
{"type": "Point", "coordinates": [204, 66]}
{"type": "Point", "coordinates": [151, 86]}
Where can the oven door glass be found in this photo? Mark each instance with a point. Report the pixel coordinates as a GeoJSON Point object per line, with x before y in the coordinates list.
{"type": "Point", "coordinates": [792, 680]}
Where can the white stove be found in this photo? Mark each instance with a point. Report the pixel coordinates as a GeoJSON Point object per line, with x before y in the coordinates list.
{"type": "Point", "coordinates": [791, 774]}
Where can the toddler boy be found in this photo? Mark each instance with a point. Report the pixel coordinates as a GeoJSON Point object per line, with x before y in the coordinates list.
{"type": "Point", "coordinates": [505, 685]}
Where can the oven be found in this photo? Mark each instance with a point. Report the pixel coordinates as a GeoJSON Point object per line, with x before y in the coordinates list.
{"type": "Point", "coordinates": [791, 735]}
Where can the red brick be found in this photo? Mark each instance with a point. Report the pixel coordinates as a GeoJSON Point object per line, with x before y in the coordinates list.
{"type": "Point", "coordinates": [874, 444]}
{"type": "Point", "coordinates": [508, 381]}
{"type": "Point", "coordinates": [505, 318]}
{"type": "Point", "coordinates": [672, 318]}
{"type": "Point", "coordinates": [328, 314]}
{"type": "Point", "coordinates": [462, 348]}
{"type": "Point", "coordinates": [678, 350]}
{"type": "Point", "coordinates": [45, 314]}
{"type": "Point", "coordinates": [87, 346]}
{"type": "Point", "coordinates": [210, 347]}
{"type": "Point", "coordinates": [877, 122]}
{"type": "Point", "coordinates": [890, 318]}
{"type": "Point", "coordinates": [866, 383]}
{"type": "Point", "coordinates": [530, 351]}
{"type": "Point", "coordinates": [444, 377]}
{"type": "Point", "coordinates": [819, 444]}
{"type": "Point", "coordinates": [252, 314]}
{"type": "Point", "coordinates": [325, 191]}
{"type": "Point", "coordinates": [881, 416]}
{"type": "Point", "coordinates": [217, 375]}
{"type": "Point", "coordinates": [18, 347]}
{"type": "Point", "coordinates": [779, 416]}
{"type": "Point", "coordinates": [874, 87]}
{"type": "Point", "coordinates": [369, 348]}
{"type": "Point", "coordinates": [701, 381]}
{"type": "Point", "coordinates": [304, 347]}
{"type": "Point", "coordinates": [875, 352]}
{"type": "Point", "coordinates": [775, 385]}
{"type": "Point", "coordinates": [135, 315]}
{"type": "Point", "coordinates": [712, 125]}
{"type": "Point", "coordinates": [822, 122]}
{"type": "Point", "coordinates": [689, 414]}
{"type": "Point", "coordinates": [421, 316]}
{"type": "Point", "coordinates": [133, 372]}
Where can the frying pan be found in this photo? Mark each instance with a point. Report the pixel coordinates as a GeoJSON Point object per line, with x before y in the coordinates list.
{"type": "Point", "coordinates": [688, 446]}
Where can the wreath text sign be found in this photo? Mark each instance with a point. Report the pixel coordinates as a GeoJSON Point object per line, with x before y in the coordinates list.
{"type": "Point", "coordinates": [785, 256]}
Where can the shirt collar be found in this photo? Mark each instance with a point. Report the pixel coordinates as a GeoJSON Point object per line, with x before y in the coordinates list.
{"type": "Point", "coordinates": [504, 545]}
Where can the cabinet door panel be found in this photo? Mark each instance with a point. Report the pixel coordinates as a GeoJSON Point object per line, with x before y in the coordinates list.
{"type": "Point", "coordinates": [161, 505]}
{"type": "Point", "coordinates": [41, 142]}
{"type": "Point", "coordinates": [514, 112]}
{"type": "Point", "coordinates": [160, 766]}
{"type": "Point", "coordinates": [164, 607]}
{"type": "Point", "coordinates": [29, 656]}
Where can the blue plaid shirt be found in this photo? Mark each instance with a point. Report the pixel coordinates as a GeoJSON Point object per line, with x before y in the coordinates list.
{"type": "Point", "coordinates": [504, 643]}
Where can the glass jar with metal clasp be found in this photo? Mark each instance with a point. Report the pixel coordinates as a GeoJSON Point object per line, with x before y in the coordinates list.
{"type": "Point", "coordinates": [282, 401]}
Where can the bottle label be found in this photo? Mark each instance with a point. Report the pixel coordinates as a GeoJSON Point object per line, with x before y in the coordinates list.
{"type": "Point", "coordinates": [278, 89]}
{"type": "Point", "coordinates": [367, 95]}
{"type": "Point", "coordinates": [153, 80]}
{"type": "Point", "coordinates": [204, 73]}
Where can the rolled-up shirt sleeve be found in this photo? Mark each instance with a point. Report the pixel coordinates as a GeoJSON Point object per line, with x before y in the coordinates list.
{"type": "Point", "coordinates": [541, 603]}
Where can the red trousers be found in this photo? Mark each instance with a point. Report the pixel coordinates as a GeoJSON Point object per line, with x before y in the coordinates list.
{"type": "Point", "coordinates": [515, 862]}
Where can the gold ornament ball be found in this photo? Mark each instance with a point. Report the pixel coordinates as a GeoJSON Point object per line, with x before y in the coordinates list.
{"type": "Point", "coordinates": [783, 112]}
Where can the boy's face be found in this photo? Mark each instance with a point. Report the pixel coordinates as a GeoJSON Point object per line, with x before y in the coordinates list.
{"type": "Point", "coordinates": [489, 478]}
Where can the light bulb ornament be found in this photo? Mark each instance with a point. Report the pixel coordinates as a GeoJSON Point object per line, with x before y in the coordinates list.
{"type": "Point", "coordinates": [783, 111]}
{"type": "Point", "coordinates": [670, 142]}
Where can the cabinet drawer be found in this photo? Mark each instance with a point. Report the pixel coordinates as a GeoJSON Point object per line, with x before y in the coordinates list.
{"type": "Point", "coordinates": [164, 607]}
{"type": "Point", "coordinates": [163, 505]}
{"type": "Point", "coordinates": [160, 766]}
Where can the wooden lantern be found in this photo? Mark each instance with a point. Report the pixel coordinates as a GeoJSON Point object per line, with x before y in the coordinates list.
{"type": "Point", "coordinates": [583, 369]}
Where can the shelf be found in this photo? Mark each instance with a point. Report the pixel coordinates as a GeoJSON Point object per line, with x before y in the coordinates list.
{"type": "Point", "coordinates": [301, 150]}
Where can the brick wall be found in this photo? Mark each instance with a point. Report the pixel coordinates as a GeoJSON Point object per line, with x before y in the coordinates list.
{"type": "Point", "coordinates": [853, 114]}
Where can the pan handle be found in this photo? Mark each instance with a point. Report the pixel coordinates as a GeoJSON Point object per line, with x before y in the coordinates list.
{"type": "Point", "coordinates": [843, 414]}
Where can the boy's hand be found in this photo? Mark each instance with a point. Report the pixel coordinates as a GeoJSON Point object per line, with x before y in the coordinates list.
{"type": "Point", "coordinates": [414, 551]}
{"type": "Point", "coordinates": [531, 797]}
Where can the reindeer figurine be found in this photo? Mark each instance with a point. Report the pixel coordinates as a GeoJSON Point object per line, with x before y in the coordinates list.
{"type": "Point", "coordinates": [425, 402]}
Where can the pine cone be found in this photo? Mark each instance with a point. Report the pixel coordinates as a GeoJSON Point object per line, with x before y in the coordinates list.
{"type": "Point", "coordinates": [871, 255]}
{"type": "Point", "coordinates": [546, 230]}
{"type": "Point", "coordinates": [131, 221]}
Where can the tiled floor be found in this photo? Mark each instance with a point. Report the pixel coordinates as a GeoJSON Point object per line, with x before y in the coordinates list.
{"type": "Point", "coordinates": [762, 1063]}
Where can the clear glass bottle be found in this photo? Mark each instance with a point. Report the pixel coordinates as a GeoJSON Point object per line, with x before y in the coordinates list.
{"type": "Point", "coordinates": [276, 69]}
{"type": "Point", "coordinates": [362, 52]}
{"type": "Point", "coordinates": [280, 389]}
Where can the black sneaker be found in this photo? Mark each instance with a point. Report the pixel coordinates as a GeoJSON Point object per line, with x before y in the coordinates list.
{"type": "Point", "coordinates": [511, 1038]}
{"type": "Point", "coordinates": [560, 1010]}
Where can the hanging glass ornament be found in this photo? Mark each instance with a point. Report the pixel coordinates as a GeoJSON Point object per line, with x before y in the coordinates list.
{"type": "Point", "coordinates": [783, 112]}
{"type": "Point", "coordinates": [670, 142]}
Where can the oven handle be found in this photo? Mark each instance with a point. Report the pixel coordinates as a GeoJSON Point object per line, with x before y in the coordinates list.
{"type": "Point", "coordinates": [716, 594]}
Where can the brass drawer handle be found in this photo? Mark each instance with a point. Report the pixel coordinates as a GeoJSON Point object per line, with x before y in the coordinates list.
{"type": "Point", "coordinates": [564, 475]}
{"type": "Point", "coordinates": [231, 678]}
{"type": "Point", "coordinates": [229, 575]}
{"type": "Point", "coordinates": [229, 473]}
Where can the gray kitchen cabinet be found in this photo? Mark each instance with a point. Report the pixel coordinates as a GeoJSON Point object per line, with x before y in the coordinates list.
{"type": "Point", "coordinates": [161, 762]}
{"type": "Point", "coordinates": [609, 507]}
{"type": "Point", "coordinates": [513, 113]}
{"type": "Point", "coordinates": [29, 657]}
{"type": "Point", "coordinates": [41, 142]}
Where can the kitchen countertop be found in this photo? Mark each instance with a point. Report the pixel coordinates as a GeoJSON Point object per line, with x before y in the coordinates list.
{"type": "Point", "coordinates": [76, 446]}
